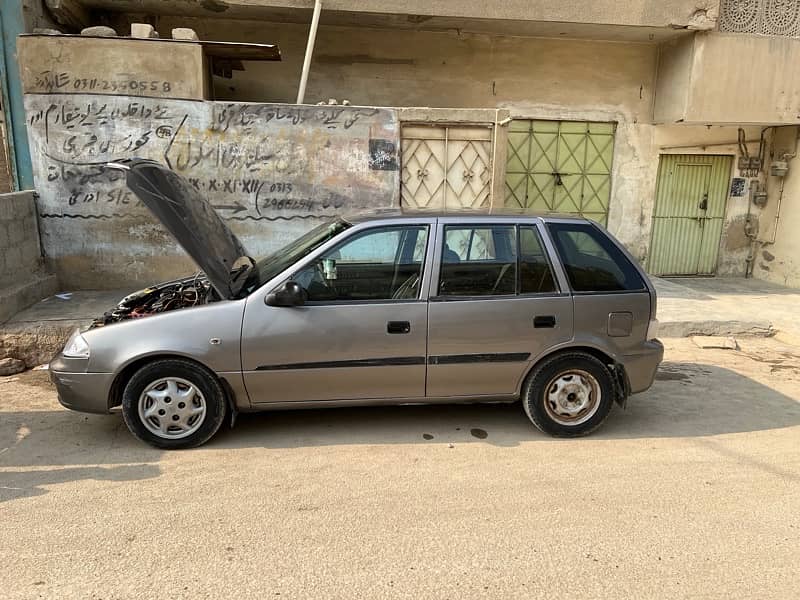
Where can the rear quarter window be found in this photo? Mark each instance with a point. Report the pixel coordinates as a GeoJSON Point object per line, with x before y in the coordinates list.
{"type": "Point", "coordinates": [593, 262]}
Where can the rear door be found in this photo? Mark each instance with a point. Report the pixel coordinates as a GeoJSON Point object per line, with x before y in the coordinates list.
{"type": "Point", "coordinates": [495, 305]}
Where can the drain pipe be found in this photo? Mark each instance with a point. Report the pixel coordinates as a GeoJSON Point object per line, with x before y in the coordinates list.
{"type": "Point", "coordinates": [312, 37]}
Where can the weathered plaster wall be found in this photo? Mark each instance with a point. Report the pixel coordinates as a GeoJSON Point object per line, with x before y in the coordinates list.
{"type": "Point", "coordinates": [777, 256]}
{"type": "Point", "coordinates": [378, 67]}
{"type": "Point", "coordinates": [530, 77]}
{"type": "Point", "coordinates": [113, 66]}
{"type": "Point", "coordinates": [637, 13]}
{"type": "Point", "coordinates": [271, 170]}
{"type": "Point", "coordinates": [527, 77]}
{"type": "Point", "coordinates": [673, 82]}
{"type": "Point", "coordinates": [729, 78]}
{"type": "Point", "coordinates": [37, 16]}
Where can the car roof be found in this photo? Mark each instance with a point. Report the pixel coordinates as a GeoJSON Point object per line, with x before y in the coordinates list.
{"type": "Point", "coordinates": [467, 214]}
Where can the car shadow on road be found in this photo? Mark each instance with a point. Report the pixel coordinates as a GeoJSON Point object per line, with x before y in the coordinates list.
{"type": "Point", "coordinates": [25, 484]}
{"type": "Point", "coordinates": [687, 400]}
{"type": "Point", "coordinates": [44, 447]}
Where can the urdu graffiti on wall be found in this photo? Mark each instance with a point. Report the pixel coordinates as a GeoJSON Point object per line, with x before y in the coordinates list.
{"type": "Point", "coordinates": [253, 161]}
{"type": "Point", "coordinates": [271, 170]}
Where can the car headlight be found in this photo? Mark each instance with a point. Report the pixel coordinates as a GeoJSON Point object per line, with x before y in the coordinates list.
{"type": "Point", "coordinates": [76, 346]}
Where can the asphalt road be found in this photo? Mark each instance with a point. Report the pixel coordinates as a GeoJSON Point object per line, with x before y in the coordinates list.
{"type": "Point", "coordinates": [693, 491]}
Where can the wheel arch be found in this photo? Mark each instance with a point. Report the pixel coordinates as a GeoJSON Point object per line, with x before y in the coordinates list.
{"type": "Point", "coordinates": [124, 375]}
{"type": "Point", "coordinates": [617, 370]}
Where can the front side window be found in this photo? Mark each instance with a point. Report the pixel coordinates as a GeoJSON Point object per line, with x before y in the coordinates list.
{"type": "Point", "coordinates": [592, 261]}
{"type": "Point", "coordinates": [479, 261]}
{"type": "Point", "coordinates": [270, 266]}
{"type": "Point", "coordinates": [378, 264]}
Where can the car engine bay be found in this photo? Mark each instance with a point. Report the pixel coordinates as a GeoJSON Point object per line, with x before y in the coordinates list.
{"type": "Point", "coordinates": [172, 295]}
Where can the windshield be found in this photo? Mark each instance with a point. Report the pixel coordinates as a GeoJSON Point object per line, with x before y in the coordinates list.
{"type": "Point", "coordinates": [269, 266]}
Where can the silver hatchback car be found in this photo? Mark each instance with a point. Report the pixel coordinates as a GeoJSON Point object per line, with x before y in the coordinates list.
{"type": "Point", "coordinates": [392, 308]}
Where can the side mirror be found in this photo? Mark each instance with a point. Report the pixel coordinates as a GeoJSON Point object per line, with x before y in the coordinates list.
{"type": "Point", "coordinates": [289, 294]}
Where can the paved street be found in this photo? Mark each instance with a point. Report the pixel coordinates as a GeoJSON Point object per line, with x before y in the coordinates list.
{"type": "Point", "coordinates": [694, 491]}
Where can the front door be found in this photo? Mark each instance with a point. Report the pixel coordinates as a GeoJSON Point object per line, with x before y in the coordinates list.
{"type": "Point", "coordinates": [495, 307]}
{"type": "Point", "coordinates": [360, 335]}
{"type": "Point", "coordinates": [691, 194]}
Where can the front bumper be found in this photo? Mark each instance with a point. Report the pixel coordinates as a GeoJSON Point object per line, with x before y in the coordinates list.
{"type": "Point", "coordinates": [84, 392]}
{"type": "Point", "coordinates": [641, 367]}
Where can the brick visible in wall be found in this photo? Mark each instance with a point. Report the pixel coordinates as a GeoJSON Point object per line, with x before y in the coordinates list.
{"type": "Point", "coordinates": [19, 241]}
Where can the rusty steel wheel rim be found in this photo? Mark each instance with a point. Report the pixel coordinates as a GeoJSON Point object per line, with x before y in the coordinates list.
{"type": "Point", "coordinates": [572, 397]}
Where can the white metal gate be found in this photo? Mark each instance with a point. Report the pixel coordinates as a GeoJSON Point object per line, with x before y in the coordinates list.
{"type": "Point", "coordinates": [446, 168]}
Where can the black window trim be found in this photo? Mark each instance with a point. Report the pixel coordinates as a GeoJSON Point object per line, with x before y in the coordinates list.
{"type": "Point", "coordinates": [529, 296]}
{"type": "Point", "coordinates": [557, 293]}
{"type": "Point", "coordinates": [537, 232]}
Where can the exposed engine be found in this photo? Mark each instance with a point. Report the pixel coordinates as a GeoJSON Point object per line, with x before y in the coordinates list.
{"type": "Point", "coordinates": [172, 295]}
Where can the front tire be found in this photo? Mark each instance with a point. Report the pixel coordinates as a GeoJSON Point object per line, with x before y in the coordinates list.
{"type": "Point", "coordinates": [569, 394]}
{"type": "Point", "coordinates": [173, 404]}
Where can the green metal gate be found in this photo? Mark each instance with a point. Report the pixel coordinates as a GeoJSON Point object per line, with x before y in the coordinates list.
{"type": "Point", "coordinates": [560, 167]}
{"type": "Point", "coordinates": [691, 193]}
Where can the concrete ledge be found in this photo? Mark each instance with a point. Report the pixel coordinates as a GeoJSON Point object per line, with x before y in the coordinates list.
{"type": "Point", "coordinates": [36, 343]}
{"type": "Point", "coordinates": [21, 296]}
{"type": "Point", "coordinates": [668, 329]}
{"type": "Point", "coordinates": [39, 332]}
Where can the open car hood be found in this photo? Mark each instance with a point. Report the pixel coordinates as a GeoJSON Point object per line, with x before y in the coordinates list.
{"type": "Point", "coordinates": [192, 221]}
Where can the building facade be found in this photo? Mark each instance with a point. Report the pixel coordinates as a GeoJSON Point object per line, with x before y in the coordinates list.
{"type": "Point", "coordinates": [673, 123]}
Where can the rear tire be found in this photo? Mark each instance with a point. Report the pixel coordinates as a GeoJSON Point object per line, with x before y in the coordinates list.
{"type": "Point", "coordinates": [173, 404]}
{"type": "Point", "coordinates": [569, 394]}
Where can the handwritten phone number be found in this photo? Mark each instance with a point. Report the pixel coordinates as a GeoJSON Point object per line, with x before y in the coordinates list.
{"type": "Point", "coordinates": [122, 85]}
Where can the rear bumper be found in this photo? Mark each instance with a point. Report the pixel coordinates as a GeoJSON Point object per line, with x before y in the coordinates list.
{"type": "Point", "coordinates": [84, 392]}
{"type": "Point", "coordinates": [641, 366]}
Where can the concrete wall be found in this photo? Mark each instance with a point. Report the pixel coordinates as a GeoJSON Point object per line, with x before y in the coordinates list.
{"type": "Point", "coordinates": [777, 256]}
{"type": "Point", "coordinates": [635, 13]}
{"type": "Point", "coordinates": [271, 170]}
{"type": "Point", "coordinates": [411, 68]}
{"type": "Point", "coordinates": [530, 77]}
{"type": "Point", "coordinates": [22, 277]}
{"type": "Point", "coordinates": [523, 77]}
{"type": "Point", "coordinates": [113, 66]}
{"type": "Point", "coordinates": [729, 78]}
{"type": "Point", "coordinates": [37, 16]}
{"type": "Point", "coordinates": [673, 83]}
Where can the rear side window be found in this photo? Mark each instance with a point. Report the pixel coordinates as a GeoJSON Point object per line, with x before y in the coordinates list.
{"type": "Point", "coordinates": [592, 261]}
{"type": "Point", "coordinates": [479, 261]}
